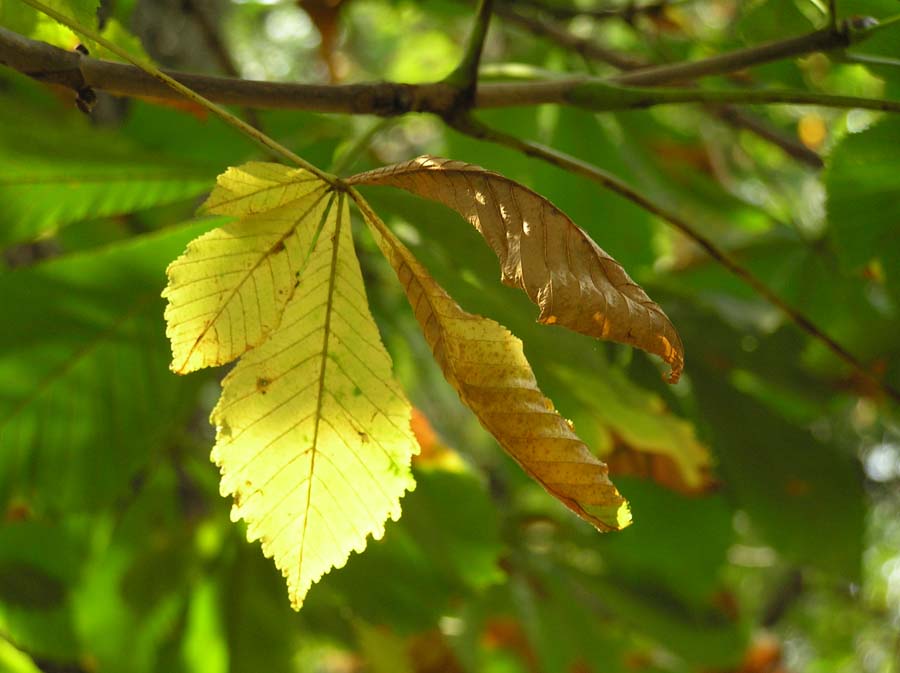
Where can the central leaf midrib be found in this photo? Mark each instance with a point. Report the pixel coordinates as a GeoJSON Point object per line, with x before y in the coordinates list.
{"type": "Point", "coordinates": [320, 394]}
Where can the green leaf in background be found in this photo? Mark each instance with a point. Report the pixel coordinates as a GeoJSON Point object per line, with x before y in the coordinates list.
{"type": "Point", "coordinates": [628, 420]}
{"type": "Point", "coordinates": [445, 546]}
{"type": "Point", "coordinates": [57, 169]}
{"type": "Point", "coordinates": [36, 588]}
{"type": "Point", "coordinates": [204, 648]}
{"type": "Point", "coordinates": [797, 490]}
{"type": "Point", "coordinates": [808, 276]}
{"type": "Point", "coordinates": [24, 19]}
{"type": "Point", "coordinates": [115, 631]}
{"type": "Point", "coordinates": [117, 554]}
{"type": "Point", "coordinates": [85, 392]}
{"type": "Point", "coordinates": [765, 20]}
{"type": "Point", "coordinates": [863, 187]}
{"type": "Point", "coordinates": [692, 533]}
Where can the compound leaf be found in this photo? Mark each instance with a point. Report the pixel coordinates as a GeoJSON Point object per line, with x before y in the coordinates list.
{"type": "Point", "coordinates": [313, 434]}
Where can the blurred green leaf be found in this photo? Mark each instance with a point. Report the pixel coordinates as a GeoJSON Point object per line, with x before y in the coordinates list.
{"type": "Point", "coordinates": [26, 20]}
{"type": "Point", "coordinates": [766, 20]}
{"type": "Point", "coordinates": [863, 205]}
{"type": "Point", "coordinates": [693, 534]}
{"type": "Point", "coordinates": [445, 546]}
{"type": "Point", "coordinates": [85, 393]}
{"type": "Point", "coordinates": [205, 647]}
{"type": "Point", "coordinates": [36, 591]}
{"type": "Point", "coordinates": [58, 169]}
{"type": "Point", "coordinates": [797, 490]}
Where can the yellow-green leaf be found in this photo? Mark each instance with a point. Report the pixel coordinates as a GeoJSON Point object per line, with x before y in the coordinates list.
{"type": "Point", "coordinates": [541, 251]}
{"type": "Point", "coordinates": [313, 434]}
{"type": "Point", "coordinates": [487, 367]}
{"type": "Point", "coordinates": [228, 291]}
{"type": "Point", "coordinates": [637, 434]}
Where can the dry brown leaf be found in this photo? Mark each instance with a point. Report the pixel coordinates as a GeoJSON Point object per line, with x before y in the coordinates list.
{"type": "Point", "coordinates": [487, 367]}
{"type": "Point", "coordinates": [325, 14]}
{"type": "Point", "coordinates": [541, 251]}
{"type": "Point", "coordinates": [664, 470]}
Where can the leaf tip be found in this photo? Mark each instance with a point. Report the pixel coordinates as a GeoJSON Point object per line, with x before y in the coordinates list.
{"type": "Point", "coordinates": [623, 516]}
{"type": "Point", "coordinates": [673, 354]}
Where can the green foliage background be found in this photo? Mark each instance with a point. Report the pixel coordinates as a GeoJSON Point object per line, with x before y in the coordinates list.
{"type": "Point", "coordinates": [116, 551]}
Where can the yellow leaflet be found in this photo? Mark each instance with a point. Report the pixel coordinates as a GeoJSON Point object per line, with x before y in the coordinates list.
{"type": "Point", "coordinates": [313, 434]}
{"type": "Point", "coordinates": [487, 367]}
{"type": "Point", "coordinates": [229, 289]}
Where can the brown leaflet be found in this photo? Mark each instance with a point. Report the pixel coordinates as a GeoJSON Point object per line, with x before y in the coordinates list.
{"type": "Point", "coordinates": [542, 252]}
{"type": "Point", "coordinates": [487, 367]}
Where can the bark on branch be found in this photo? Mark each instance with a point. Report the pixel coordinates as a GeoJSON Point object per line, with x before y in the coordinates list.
{"type": "Point", "coordinates": [76, 71]}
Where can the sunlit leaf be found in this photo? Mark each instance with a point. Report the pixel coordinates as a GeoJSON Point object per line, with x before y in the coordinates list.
{"type": "Point", "coordinates": [614, 414]}
{"type": "Point", "coordinates": [541, 251]}
{"type": "Point", "coordinates": [313, 434]}
{"type": "Point", "coordinates": [230, 287]}
{"type": "Point", "coordinates": [486, 366]}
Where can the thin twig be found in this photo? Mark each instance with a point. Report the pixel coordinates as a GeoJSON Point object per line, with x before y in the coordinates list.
{"type": "Point", "coordinates": [588, 49]}
{"type": "Point", "coordinates": [786, 595]}
{"type": "Point", "coordinates": [626, 13]}
{"type": "Point", "coordinates": [185, 92]}
{"type": "Point", "coordinates": [740, 119]}
{"type": "Point", "coordinates": [349, 156]}
{"type": "Point", "coordinates": [465, 75]}
{"type": "Point", "coordinates": [599, 96]}
{"type": "Point", "coordinates": [871, 59]}
{"type": "Point", "coordinates": [571, 164]}
{"type": "Point", "coordinates": [739, 59]}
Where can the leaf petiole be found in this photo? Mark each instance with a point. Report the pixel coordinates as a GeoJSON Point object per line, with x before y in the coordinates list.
{"type": "Point", "coordinates": [236, 123]}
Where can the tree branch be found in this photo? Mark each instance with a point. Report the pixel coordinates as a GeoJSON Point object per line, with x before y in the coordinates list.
{"type": "Point", "coordinates": [50, 64]}
{"type": "Point", "coordinates": [57, 66]}
{"type": "Point", "coordinates": [627, 13]}
{"type": "Point", "coordinates": [465, 75]}
{"type": "Point", "coordinates": [793, 148]}
{"type": "Point", "coordinates": [606, 180]}
{"type": "Point", "coordinates": [185, 92]}
{"type": "Point", "coordinates": [591, 51]}
{"type": "Point", "coordinates": [740, 59]}
{"type": "Point", "coordinates": [599, 96]}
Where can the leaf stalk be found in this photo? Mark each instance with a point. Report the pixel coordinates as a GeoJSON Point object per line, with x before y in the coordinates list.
{"type": "Point", "coordinates": [222, 113]}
